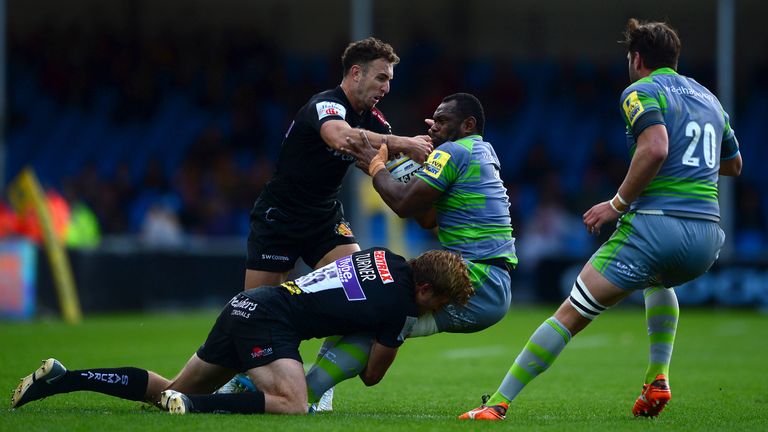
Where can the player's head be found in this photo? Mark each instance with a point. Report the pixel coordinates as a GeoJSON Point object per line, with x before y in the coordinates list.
{"type": "Point", "coordinates": [441, 277]}
{"type": "Point", "coordinates": [650, 46]}
{"type": "Point", "coordinates": [368, 66]}
{"type": "Point", "coordinates": [457, 116]}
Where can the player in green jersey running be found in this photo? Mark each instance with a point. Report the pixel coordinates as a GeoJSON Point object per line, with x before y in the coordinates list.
{"type": "Point", "coordinates": [681, 141]}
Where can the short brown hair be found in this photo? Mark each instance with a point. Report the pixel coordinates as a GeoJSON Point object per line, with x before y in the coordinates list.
{"type": "Point", "coordinates": [657, 43]}
{"type": "Point", "coordinates": [365, 51]}
{"type": "Point", "coordinates": [447, 273]}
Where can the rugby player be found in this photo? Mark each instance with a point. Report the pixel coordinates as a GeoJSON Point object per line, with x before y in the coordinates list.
{"type": "Point", "coordinates": [259, 331]}
{"type": "Point", "coordinates": [681, 141]}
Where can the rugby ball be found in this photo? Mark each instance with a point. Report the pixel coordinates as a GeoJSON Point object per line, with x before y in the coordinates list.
{"type": "Point", "coordinates": [402, 168]}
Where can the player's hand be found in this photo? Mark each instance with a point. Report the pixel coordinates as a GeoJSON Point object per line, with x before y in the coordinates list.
{"type": "Point", "coordinates": [360, 147]}
{"type": "Point", "coordinates": [419, 148]}
{"type": "Point", "coordinates": [599, 214]}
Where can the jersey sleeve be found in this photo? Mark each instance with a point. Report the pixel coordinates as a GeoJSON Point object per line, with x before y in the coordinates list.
{"type": "Point", "coordinates": [641, 107]}
{"type": "Point", "coordinates": [393, 336]}
{"type": "Point", "coordinates": [730, 146]}
{"type": "Point", "coordinates": [325, 108]}
{"type": "Point", "coordinates": [443, 166]}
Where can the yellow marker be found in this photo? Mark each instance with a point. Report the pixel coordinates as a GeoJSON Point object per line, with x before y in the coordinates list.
{"type": "Point", "coordinates": [24, 193]}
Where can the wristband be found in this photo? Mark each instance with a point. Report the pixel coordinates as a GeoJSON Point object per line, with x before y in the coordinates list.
{"type": "Point", "coordinates": [621, 207]}
{"type": "Point", "coordinates": [621, 200]}
{"type": "Point", "coordinates": [614, 207]}
{"type": "Point", "coordinates": [375, 166]}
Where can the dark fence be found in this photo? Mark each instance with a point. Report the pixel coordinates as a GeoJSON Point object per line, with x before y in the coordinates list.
{"type": "Point", "coordinates": [159, 279]}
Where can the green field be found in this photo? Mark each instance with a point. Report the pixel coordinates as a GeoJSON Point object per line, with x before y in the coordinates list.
{"type": "Point", "coordinates": [718, 377]}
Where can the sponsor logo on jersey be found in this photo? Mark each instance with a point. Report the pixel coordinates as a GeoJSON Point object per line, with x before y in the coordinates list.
{"type": "Point", "coordinates": [242, 302]}
{"type": "Point", "coordinates": [633, 107]}
{"type": "Point", "coordinates": [327, 108]}
{"type": "Point", "coordinates": [348, 277]}
{"type": "Point", "coordinates": [688, 91]}
{"type": "Point", "coordinates": [343, 229]}
{"type": "Point", "coordinates": [271, 257]}
{"type": "Point", "coordinates": [435, 163]}
{"type": "Point", "coordinates": [382, 267]}
{"type": "Point", "coordinates": [259, 352]}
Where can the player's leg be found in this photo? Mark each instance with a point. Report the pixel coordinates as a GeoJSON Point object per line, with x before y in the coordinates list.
{"type": "Point", "coordinates": [53, 378]}
{"type": "Point", "coordinates": [272, 245]}
{"type": "Point", "coordinates": [695, 248]}
{"type": "Point", "coordinates": [592, 293]}
{"type": "Point", "coordinates": [280, 389]}
{"type": "Point", "coordinates": [345, 359]}
{"type": "Point", "coordinates": [661, 314]}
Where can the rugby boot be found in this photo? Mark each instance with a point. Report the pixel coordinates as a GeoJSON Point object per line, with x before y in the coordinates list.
{"type": "Point", "coordinates": [485, 412]}
{"type": "Point", "coordinates": [176, 402]}
{"type": "Point", "coordinates": [38, 384]}
{"type": "Point", "coordinates": [653, 399]}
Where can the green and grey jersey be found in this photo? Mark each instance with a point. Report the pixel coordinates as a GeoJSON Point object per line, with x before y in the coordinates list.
{"type": "Point", "coordinates": [700, 136]}
{"type": "Point", "coordinates": [473, 211]}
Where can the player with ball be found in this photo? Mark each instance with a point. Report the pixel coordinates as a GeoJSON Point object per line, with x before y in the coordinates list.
{"type": "Point", "coordinates": [458, 190]}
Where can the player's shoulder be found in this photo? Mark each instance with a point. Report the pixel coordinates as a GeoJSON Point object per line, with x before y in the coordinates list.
{"type": "Point", "coordinates": [334, 94]}
{"type": "Point", "coordinates": [646, 86]}
{"type": "Point", "coordinates": [327, 103]}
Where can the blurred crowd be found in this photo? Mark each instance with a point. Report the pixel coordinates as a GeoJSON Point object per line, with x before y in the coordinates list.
{"type": "Point", "coordinates": [172, 136]}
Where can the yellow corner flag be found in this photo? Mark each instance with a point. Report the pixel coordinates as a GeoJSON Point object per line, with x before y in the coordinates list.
{"type": "Point", "coordinates": [25, 193]}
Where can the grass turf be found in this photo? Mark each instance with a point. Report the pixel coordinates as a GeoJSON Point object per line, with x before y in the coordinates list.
{"type": "Point", "coordinates": [718, 376]}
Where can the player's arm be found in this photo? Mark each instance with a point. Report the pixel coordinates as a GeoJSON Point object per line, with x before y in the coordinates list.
{"type": "Point", "coordinates": [731, 167]}
{"type": "Point", "coordinates": [412, 199]}
{"type": "Point", "coordinates": [730, 164]}
{"type": "Point", "coordinates": [336, 134]}
{"type": "Point", "coordinates": [428, 219]}
{"type": "Point", "coordinates": [379, 361]}
{"type": "Point", "coordinates": [650, 154]}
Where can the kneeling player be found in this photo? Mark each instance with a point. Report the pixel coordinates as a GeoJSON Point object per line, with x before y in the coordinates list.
{"type": "Point", "coordinates": [259, 332]}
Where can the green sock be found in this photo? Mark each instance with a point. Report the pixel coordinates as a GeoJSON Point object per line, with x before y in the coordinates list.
{"type": "Point", "coordinates": [539, 353]}
{"type": "Point", "coordinates": [661, 313]}
{"type": "Point", "coordinates": [341, 360]}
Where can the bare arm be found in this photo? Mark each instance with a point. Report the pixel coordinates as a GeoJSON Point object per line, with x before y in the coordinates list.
{"type": "Point", "coordinates": [379, 361]}
{"type": "Point", "coordinates": [336, 134]}
{"type": "Point", "coordinates": [650, 154]}
{"type": "Point", "coordinates": [731, 167]}
{"type": "Point", "coordinates": [428, 219]}
{"type": "Point", "coordinates": [414, 198]}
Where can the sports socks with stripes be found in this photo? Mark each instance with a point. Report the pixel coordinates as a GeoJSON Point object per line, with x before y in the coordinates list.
{"type": "Point", "coordinates": [337, 361]}
{"type": "Point", "coordinates": [661, 313]}
{"type": "Point", "coordinates": [539, 353]}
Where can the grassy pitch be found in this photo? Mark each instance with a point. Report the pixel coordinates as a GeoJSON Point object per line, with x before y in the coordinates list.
{"type": "Point", "coordinates": [718, 377]}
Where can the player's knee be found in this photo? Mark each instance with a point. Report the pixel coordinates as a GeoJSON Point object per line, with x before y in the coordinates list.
{"type": "Point", "coordinates": [584, 302]}
{"type": "Point", "coordinates": [288, 403]}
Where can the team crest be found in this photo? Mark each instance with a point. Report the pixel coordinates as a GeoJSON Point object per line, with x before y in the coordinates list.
{"type": "Point", "coordinates": [343, 229]}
